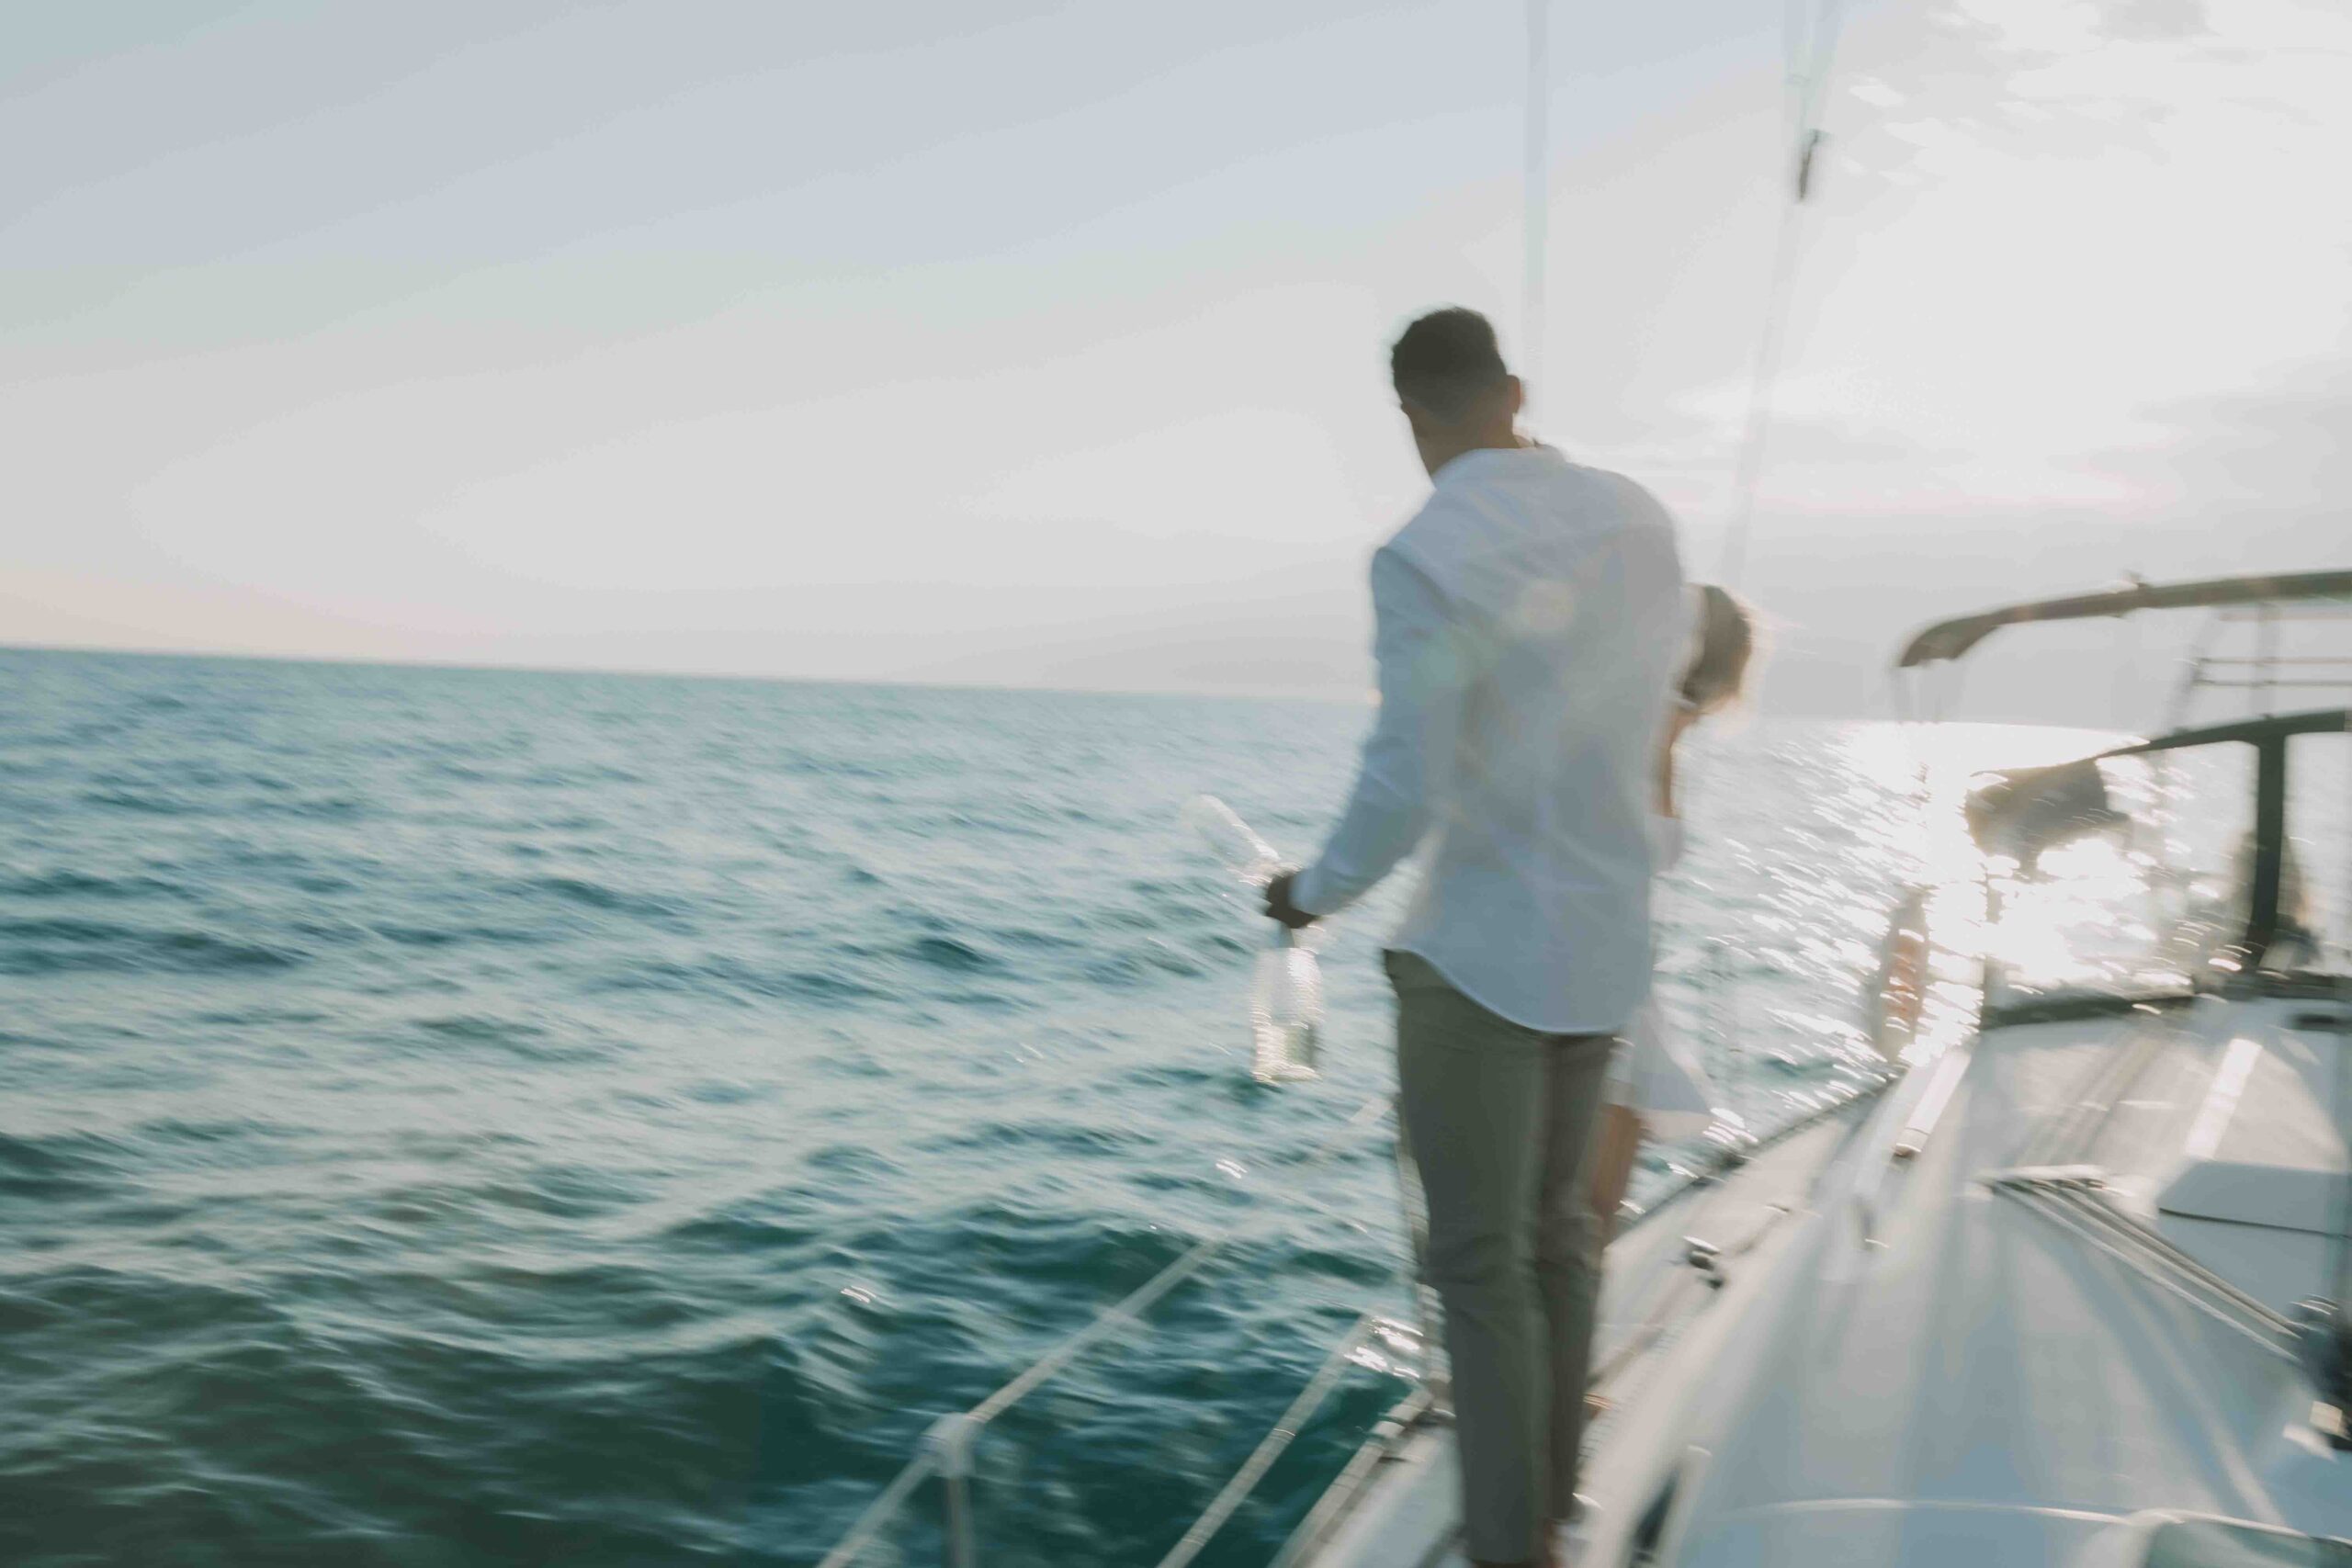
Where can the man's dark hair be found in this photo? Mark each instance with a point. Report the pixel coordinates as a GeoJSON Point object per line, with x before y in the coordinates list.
{"type": "Point", "coordinates": [1446, 361]}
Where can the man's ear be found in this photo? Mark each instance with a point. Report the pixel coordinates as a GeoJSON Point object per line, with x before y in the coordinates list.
{"type": "Point", "coordinates": [1516, 393]}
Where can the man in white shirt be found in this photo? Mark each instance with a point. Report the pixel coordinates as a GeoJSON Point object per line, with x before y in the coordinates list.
{"type": "Point", "coordinates": [1530, 619]}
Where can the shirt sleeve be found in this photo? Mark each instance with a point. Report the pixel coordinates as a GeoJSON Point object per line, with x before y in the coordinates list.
{"type": "Point", "coordinates": [1407, 773]}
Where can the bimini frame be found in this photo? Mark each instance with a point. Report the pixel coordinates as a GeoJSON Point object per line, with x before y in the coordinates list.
{"type": "Point", "coordinates": [1954, 639]}
{"type": "Point", "coordinates": [2265, 600]}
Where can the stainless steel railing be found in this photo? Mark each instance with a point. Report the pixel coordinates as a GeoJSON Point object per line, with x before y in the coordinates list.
{"type": "Point", "coordinates": [947, 1452]}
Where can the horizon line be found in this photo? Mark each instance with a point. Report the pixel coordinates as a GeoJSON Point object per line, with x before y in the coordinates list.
{"type": "Point", "coordinates": [1366, 697]}
{"type": "Point", "coordinates": [1291, 693]}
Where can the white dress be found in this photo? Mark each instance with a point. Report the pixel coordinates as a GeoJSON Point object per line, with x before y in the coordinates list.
{"type": "Point", "coordinates": [1654, 1072]}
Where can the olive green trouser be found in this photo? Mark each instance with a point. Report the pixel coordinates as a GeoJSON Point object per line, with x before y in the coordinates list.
{"type": "Point", "coordinates": [1499, 1120]}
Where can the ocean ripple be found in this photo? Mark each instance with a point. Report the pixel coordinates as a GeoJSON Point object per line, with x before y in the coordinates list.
{"type": "Point", "coordinates": [465, 1118]}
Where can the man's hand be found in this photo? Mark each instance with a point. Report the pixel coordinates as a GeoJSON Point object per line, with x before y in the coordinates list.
{"type": "Point", "coordinates": [1280, 907]}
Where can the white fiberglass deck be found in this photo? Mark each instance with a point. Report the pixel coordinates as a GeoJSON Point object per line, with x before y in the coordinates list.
{"type": "Point", "coordinates": [1923, 1367]}
{"type": "Point", "coordinates": [1405, 1516]}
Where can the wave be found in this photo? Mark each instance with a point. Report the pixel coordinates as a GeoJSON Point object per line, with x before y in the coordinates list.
{"type": "Point", "coordinates": [619, 1154]}
{"type": "Point", "coordinates": [946, 952]}
{"type": "Point", "coordinates": [69, 884]}
{"type": "Point", "coordinates": [60, 945]}
{"type": "Point", "coordinates": [602, 896]}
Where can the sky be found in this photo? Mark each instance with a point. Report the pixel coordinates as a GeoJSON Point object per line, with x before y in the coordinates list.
{"type": "Point", "coordinates": [1045, 345]}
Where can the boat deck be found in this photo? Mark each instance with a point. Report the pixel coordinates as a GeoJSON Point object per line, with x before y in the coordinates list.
{"type": "Point", "coordinates": [1657, 1316]}
{"type": "Point", "coordinates": [2059, 1309]}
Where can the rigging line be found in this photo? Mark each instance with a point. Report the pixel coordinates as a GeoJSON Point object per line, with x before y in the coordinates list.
{"type": "Point", "coordinates": [2342, 1097]}
{"type": "Point", "coordinates": [1759, 401]}
{"type": "Point", "coordinates": [2161, 1253]}
{"type": "Point", "coordinates": [1806, 85]}
{"type": "Point", "coordinates": [2343, 1108]}
{"type": "Point", "coordinates": [1825, 48]}
{"type": "Point", "coordinates": [1796, 34]}
{"type": "Point", "coordinates": [1537, 219]}
{"type": "Point", "coordinates": [2059, 1216]}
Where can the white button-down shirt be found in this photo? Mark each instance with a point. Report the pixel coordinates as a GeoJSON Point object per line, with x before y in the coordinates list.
{"type": "Point", "coordinates": [1530, 617]}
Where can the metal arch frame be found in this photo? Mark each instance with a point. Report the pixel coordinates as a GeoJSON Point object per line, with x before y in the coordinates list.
{"type": "Point", "coordinates": [1948, 640]}
{"type": "Point", "coordinates": [2321, 1335]}
{"type": "Point", "coordinates": [2269, 737]}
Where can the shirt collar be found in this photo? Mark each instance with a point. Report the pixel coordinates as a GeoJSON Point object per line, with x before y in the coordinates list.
{"type": "Point", "coordinates": [1463, 464]}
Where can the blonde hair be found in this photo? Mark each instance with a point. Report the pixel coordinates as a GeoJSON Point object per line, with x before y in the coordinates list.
{"type": "Point", "coordinates": [1718, 672]}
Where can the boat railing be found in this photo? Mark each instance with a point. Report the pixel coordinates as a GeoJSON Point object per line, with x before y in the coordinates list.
{"type": "Point", "coordinates": [947, 1451]}
{"type": "Point", "coordinates": [2263, 676]}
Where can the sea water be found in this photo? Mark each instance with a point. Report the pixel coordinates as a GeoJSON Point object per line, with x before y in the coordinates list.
{"type": "Point", "coordinates": [454, 1117]}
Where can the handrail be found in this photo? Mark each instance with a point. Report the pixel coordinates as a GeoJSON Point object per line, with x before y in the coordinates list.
{"type": "Point", "coordinates": [1130, 1309]}
{"type": "Point", "coordinates": [1262, 1459]}
{"type": "Point", "coordinates": [947, 1445]}
{"type": "Point", "coordinates": [879, 1512]}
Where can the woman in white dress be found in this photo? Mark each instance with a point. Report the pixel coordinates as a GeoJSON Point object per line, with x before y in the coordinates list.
{"type": "Point", "coordinates": [1657, 1087]}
